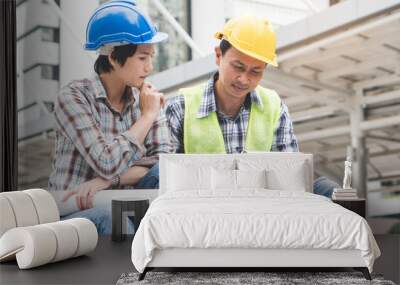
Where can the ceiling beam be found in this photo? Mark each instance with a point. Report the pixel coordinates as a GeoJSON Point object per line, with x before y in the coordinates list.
{"type": "Point", "coordinates": [352, 68]}
{"type": "Point", "coordinates": [380, 123]}
{"type": "Point", "coordinates": [371, 155]}
{"type": "Point", "coordinates": [290, 54]}
{"type": "Point", "coordinates": [395, 176]}
{"type": "Point", "coordinates": [382, 138]}
{"type": "Point", "coordinates": [379, 81]}
{"type": "Point", "coordinates": [317, 97]}
{"type": "Point", "coordinates": [277, 74]}
{"type": "Point", "coordinates": [323, 134]}
{"type": "Point", "coordinates": [314, 113]}
{"type": "Point", "coordinates": [345, 130]}
{"type": "Point", "coordinates": [374, 168]}
{"type": "Point", "coordinates": [383, 97]}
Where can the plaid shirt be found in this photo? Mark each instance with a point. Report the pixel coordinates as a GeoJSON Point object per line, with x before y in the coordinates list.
{"type": "Point", "coordinates": [92, 138]}
{"type": "Point", "coordinates": [233, 129]}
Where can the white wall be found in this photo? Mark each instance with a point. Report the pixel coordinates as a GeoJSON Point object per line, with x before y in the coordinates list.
{"type": "Point", "coordinates": [38, 51]}
{"type": "Point", "coordinates": [75, 62]}
{"type": "Point", "coordinates": [32, 50]}
{"type": "Point", "coordinates": [208, 16]}
{"type": "Point", "coordinates": [34, 13]}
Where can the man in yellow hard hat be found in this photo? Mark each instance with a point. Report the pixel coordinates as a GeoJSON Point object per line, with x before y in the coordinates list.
{"type": "Point", "coordinates": [231, 113]}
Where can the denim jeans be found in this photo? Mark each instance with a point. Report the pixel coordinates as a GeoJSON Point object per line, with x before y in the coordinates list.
{"type": "Point", "coordinates": [150, 180]}
{"type": "Point", "coordinates": [101, 217]}
{"type": "Point", "coordinates": [323, 186]}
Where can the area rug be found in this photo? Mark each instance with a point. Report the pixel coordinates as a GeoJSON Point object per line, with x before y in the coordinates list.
{"type": "Point", "coordinates": [243, 278]}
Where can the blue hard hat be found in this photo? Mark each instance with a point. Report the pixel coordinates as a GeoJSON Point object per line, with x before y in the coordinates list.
{"type": "Point", "coordinates": [120, 22]}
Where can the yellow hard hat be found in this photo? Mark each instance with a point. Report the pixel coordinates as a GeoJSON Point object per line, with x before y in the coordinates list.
{"type": "Point", "coordinates": [252, 36]}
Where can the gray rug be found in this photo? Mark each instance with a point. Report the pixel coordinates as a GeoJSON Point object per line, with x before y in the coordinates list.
{"type": "Point", "coordinates": [269, 278]}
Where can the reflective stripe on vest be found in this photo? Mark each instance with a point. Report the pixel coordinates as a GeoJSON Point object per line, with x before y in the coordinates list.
{"type": "Point", "coordinates": [204, 135]}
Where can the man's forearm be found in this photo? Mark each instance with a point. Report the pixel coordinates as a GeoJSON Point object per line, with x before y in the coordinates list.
{"type": "Point", "coordinates": [147, 161]}
{"type": "Point", "coordinates": [140, 129]}
{"type": "Point", "coordinates": [133, 175]}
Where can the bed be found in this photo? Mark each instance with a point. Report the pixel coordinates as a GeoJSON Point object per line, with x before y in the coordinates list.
{"type": "Point", "coordinates": [247, 210]}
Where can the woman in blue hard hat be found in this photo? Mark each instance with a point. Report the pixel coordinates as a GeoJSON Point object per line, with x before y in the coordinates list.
{"type": "Point", "coordinates": [109, 130]}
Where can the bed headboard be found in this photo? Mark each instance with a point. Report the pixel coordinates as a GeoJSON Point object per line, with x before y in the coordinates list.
{"type": "Point", "coordinates": [285, 161]}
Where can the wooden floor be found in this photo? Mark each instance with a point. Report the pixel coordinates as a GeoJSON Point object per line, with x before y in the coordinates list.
{"type": "Point", "coordinates": [106, 264]}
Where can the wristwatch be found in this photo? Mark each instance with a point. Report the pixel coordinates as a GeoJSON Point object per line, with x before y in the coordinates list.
{"type": "Point", "coordinates": [115, 181]}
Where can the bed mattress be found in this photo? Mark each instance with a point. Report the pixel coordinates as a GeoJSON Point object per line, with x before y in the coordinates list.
{"type": "Point", "coordinates": [250, 219]}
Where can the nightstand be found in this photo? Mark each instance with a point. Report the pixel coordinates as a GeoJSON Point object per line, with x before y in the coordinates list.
{"type": "Point", "coordinates": [124, 208]}
{"type": "Point", "coordinates": [355, 205]}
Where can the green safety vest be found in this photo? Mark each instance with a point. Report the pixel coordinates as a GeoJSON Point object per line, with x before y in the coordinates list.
{"type": "Point", "coordinates": [204, 135]}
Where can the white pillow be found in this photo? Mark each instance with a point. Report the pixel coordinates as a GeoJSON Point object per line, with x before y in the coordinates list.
{"type": "Point", "coordinates": [183, 177]}
{"type": "Point", "coordinates": [223, 179]}
{"type": "Point", "coordinates": [293, 180]}
{"type": "Point", "coordinates": [251, 178]}
{"type": "Point", "coordinates": [282, 174]}
{"type": "Point", "coordinates": [226, 179]}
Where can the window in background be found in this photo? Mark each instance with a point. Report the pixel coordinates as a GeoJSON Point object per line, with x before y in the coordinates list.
{"type": "Point", "coordinates": [50, 72]}
{"type": "Point", "coordinates": [174, 51]}
{"type": "Point", "coordinates": [50, 34]}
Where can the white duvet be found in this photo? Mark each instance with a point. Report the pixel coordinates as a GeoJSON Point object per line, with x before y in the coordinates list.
{"type": "Point", "coordinates": [250, 219]}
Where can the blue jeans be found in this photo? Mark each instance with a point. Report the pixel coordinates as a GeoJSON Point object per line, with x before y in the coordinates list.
{"type": "Point", "coordinates": [323, 186]}
{"type": "Point", "coordinates": [150, 180]}
{"type": "Point", "coordinates": [101, 217]}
